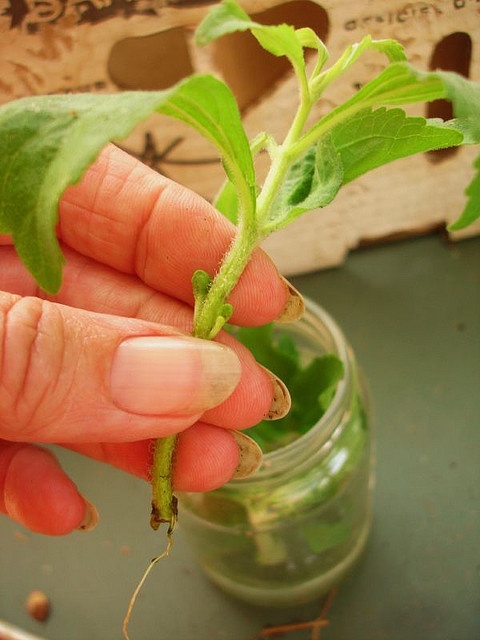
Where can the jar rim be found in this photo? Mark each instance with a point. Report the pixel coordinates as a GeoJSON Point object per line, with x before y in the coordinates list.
{"type": "Point", "coordinates": [275, 461]}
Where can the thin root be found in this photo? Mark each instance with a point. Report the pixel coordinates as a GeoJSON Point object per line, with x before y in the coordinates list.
{"type": "Point", "coordinates": [153, 562]}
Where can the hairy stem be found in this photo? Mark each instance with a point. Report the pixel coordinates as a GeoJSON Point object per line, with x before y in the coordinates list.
{"type": "Point", "coordinates": [208, 321]}
{"type": "Point", "coordinates": [209, 316]}
{"type": "Point", "coordinates": [233, 265]}
{"type": "Point", "coordinates": [284, 158]}
{"type": "Point", "coordinates": [164, 503]}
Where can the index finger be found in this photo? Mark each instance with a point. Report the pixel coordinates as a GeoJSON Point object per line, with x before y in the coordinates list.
{"type": "Point", "coordinates": [129, 217]}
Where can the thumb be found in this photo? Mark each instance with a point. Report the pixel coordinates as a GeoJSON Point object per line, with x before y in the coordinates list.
{"type": "Point", "coordinates": [68, 375]}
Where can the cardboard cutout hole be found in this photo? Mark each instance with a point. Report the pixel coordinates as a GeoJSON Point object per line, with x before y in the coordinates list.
{"type": "Point", "coordinates": [246, 67]}
{"type": "Point", "coordinates": [452, 53]}
{"type": "Point", "coordinates": [150, 62]}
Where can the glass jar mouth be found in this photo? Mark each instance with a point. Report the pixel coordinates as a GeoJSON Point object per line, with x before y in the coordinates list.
{"type": "Point", "coordinates": [321, 328]}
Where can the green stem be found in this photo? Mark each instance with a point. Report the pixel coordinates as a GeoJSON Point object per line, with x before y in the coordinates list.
{"type": "Point", "coordinates": [327, 123]}
{"type": "Point", "coordinates": [294, 146]}
{"type": "Point", "coordinates": [284, 157]}
{"type": "Point", "coordinates": [164, 503]}
{"type": "Point", "coordinates": [206, 325]}
{"type": "Point", "coordinates": [209, 314]}
{"type": "Point", "coordinates": [233, 265]}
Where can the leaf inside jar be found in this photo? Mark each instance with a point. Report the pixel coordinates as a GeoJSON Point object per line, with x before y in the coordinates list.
{"type": "Point", "coordinates": [312, 384]}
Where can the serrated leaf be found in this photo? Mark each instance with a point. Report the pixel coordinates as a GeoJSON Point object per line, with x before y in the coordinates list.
{"type": "Point", "coordinates": [465, 97]}
{"type": "Point", "coordinates": [312, 182]}
{"type": "Point", "coordinates": [222, 19]}
{"type": "Point", "coordinates": [400, 84]}
{"type": "Point", "coordinates": [282, 40]}
{"type": "Point", "coordinates": [228, 17]}
{"type": "Point", "coordinates": [47, 143]}
{"type": "Point", "coordinates": [390, 48]}
{"type": "Point", "coordinates": [373, 138]}
{"type": "Point", "coordinates": [471, 213]}
{"type": "Point", "coordinates": [397, 85]}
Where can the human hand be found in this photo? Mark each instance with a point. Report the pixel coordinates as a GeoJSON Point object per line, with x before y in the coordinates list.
{"type": "Point", "coordinates": [107, 364]}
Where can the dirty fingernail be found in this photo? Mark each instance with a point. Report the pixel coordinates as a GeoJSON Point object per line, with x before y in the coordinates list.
{"type": "Point", "coordinates": [281, 402]}
{"type": "Point", "coordinates": [251, 456]}
{"type": "Point", "coordinates": [90, 519]}
{"type": "Point", "coordinates": [295, 305]}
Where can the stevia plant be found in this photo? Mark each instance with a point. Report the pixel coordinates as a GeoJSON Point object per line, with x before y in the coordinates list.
{"type": "Point", "coordinates": [47, 142]}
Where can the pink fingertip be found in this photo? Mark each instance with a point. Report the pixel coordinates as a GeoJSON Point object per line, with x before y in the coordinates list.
{"type": "Point", "coordinates": [39, 495]}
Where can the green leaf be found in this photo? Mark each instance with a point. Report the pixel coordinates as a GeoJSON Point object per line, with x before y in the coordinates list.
{"type": "Point", "coordinates": [201, 282]}
{"type": "Point", "coordinates": [373, 138]}
{"type": "Point", "coordinates": [222, 19]}
{"type": "Point", "coordinates": [311, 182]}
{"type": "Point", "coordinates": [47, 143]}
{"type": "Point", "coordinates": [223, 317]}
{"type": "Point", "coordinates": [279, 40]}
{"type": "Point", "coordinates": [312, 385]}
{"type": "Point", "coordinates": [399, 84]}
{"type": "Point", "coordinates": [228, 17]}
{"type": "Point", "coordinates": [465, 97]}
{"type": "Point", "coordinates": [321, 536]}
{"type": "Point", "coordinates": [226, 201]}
{"type": "Point", "coordinates": [208, 105]}
{"type": "Point", "coordinates": [309, 39]}
{"type": "Point", "coordinates": [280, 357]}
{"type": "Point", "coordinates": [390, 48]}
{"type": "Point", "coordinates": [282, 40]}
{"type": "Point", "coordinates": [471, 213]}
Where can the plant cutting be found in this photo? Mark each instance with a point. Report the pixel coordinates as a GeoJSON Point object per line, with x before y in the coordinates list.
{"type": "Point", "coordinates": [49, 141]}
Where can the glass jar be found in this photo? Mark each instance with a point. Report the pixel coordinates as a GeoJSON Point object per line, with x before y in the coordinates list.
{"type": "Point", "coordinates": [292, 531]}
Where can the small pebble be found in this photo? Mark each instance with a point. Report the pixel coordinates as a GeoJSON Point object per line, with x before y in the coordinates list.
{"type": "Point", "coordinates": [38, 605]}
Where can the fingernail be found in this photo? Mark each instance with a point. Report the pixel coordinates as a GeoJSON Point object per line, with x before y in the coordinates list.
{"type": "Point", "coordinates": [165, 375]}
{"type": "Point", "coordinates": [281, 402]}
{"type": "Point", "coordinates": [90, 519]}
{"type": "Point", "coordinates": [294, 307]}
{"type": "Point", "coordinates": [251, 456]}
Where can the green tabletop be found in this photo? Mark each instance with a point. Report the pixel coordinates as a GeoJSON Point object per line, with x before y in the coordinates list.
{"type": "Point", "coordinates": [411, 311]}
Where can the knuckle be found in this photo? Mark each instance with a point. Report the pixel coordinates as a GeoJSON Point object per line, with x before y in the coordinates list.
{"type": "Point", "coordinates": [30, 360]}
